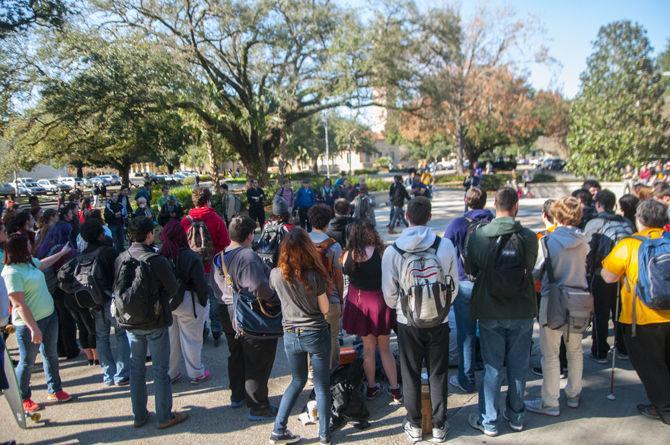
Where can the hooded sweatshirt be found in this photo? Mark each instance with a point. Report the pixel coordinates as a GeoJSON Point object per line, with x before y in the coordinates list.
{"type": "Point", "coordinates": [568, 249]}
{"type": "Point", "coordinates": [488, 307]}
{"type": "Point", "coordinates": [215, 225]}
{"type": "Point", "coordinates": [414, 239]}
{"type": "Point", "coordinates": [457, 231]}
{"type": "Point", "coordinates": [596, 229]}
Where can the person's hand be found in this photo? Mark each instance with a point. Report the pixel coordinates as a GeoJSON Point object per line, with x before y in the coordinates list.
{"type": "Point", "coordinates": [36, 335]}
{"type": "Point", "coordinates": [66, 249]}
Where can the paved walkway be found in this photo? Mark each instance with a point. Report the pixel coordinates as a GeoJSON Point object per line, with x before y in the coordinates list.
{"type": "Point", "coordinates": [101, 415]}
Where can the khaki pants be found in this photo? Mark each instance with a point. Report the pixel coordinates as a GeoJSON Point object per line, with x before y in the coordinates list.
{"type": "Point", "coordinates": [334, 319]}
{"type": "Point", "coordinates": [550, 345]}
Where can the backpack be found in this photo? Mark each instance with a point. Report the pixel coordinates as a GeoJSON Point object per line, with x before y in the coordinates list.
{"type": "Point", "coordinates": [135, 302]}
{"type": "Point", "coordinates": [178, 298]}
{"type": "Point", "coordinates": [566, 305]}
{"type": "Point", "coordinates": [473, 225]}
{"type": "Point", "coordinates": [322, 248]}
{"type": "Point", "coordinates": [267, 246]}
{"type": "Point", "coordinates": [507, 272]}
{"type": "Point", "coordinates": [425, 290]}
{"type": "Point", "coordinates": [608, 236]}
{"type": "Point", "coordinates": [200, 240]}
{"type": "Point", "coordinates": [83, 279]}
{"type": "Point", "coordinates": [348, 404]}
{"type": "Point", "coordinates": [653, 282]}
{"type": "Point", "coordinates": [362, 208]}
{"type": "Point", "coordinates": [50, 275]}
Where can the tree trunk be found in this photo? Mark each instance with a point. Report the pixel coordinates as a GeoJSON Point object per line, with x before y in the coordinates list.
{"type": "Point", "coordinates": [460, 147]}
{"type": "Point", "coordinates": [315, 165]}
{"type": "Point", "coordinates": [170, 168]}
{"type": "Point", "coordinates": [124, 172]}
{"type": "Point", "coordinates": [213, 165]}
{"type": "Point", "coordinates": [80, 170]}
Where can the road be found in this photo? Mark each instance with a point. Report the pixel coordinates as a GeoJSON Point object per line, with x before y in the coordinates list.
{"type": "Point", "coordinates": [102, 415]}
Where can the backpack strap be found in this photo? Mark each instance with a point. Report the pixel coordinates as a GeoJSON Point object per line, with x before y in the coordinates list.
{"type": "Point", "coordinates": [435, 246]}
{"type": "Point", "coordinates": [549, 269]}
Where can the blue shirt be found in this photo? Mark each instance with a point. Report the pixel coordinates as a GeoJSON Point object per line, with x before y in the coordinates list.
{"type": "Point", "coordinates": [305, 198]}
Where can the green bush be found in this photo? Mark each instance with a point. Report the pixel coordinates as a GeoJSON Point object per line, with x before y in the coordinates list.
{"type": "Point", "coordinates": [189, 180]}
{"type": "Point", "coordinates": [543, 177]}
{"type": "Point", "coordinates": [240, 180]}
{"type": "Point", "coordinates": [383, 162]}
{"type": "Point", "coordinates": [366, 171]}
{"type": "Point", "coordinates": [445, 179]}
{"type": "Point", "coordinates": [495, 181]}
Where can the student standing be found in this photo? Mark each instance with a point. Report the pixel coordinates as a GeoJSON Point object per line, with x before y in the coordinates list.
{"type": "Point", "coordinates": [256, 201]}
{"type": "Point", "coordinates": [302, 284]}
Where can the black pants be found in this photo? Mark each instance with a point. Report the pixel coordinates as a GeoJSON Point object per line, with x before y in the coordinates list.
{"type": "Point", "coordinates": [84, 321]}
{"type": "Point", "coordinates": [415, 346]}
{"type": "Point", "coordinates": [604, 307]}
{"type": "Point", "coordinates": [67, 329]}
{"type": "Point", "coordinates": [649, 352]}
{"type": "Point", "coordinates": [257, 213]}
{"type": "Point", "coordinates": [249, 364]}
{"type": "Point", "coordinates": [304, 221]}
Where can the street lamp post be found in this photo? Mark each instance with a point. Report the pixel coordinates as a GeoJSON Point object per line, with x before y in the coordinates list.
{"type": "Point", "coordinates": [325, 124]}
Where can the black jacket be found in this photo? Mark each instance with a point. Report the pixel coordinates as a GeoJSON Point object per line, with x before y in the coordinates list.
{"type": "Point", "coordinates": [338, 229]}
{"type": "Point", "coordinates": [398, 194]}
{"type": "Point", "coordinates": [191, 272]}
{"type": "Point", "coordinates": [106, 256]}
{"type": "Point", "coordinates": [111, 209]}
{"type": "Point", "coordinates": [164, 277]}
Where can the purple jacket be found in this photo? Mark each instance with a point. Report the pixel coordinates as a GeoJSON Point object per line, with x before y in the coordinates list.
{"type": "Point", "coordinates": [457, 230]}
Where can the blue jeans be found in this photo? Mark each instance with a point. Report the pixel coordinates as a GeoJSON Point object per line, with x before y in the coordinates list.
{"type": "Point", "coordinates": [504, 343]}
{"type": "Point", "coordinates": [466, 335]}
{"type": "Point", "coordinates": [28, 352]}
{"type": "Point", "coordinates": [119, 237]}
{"type": "Point", "coordinates": [214, 303]}
{"type": "Point", "coordinates": [113, 371]}
{"type": "Point", "coordinates": [297, 345]}
{"type": "Point", "coordinates": [397, 215]}
{"type": "Point", "coordinates": [158, 341]}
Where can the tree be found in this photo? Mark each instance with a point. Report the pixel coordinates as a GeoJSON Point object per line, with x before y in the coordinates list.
{"type": "Point", "coordinates": [616, 117]}
{"type": "Point", "coordinates": [263, 65]}
{"type": "Point", "coordinates": [19, 15]}
{"type": "Point", "coordinates": [664, 66]}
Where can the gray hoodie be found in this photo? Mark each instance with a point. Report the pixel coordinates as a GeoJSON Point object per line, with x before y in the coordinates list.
{"type": "Point", "coordinates": [414, 239]}
{"type": "Point", "coordinates": [568, 249]}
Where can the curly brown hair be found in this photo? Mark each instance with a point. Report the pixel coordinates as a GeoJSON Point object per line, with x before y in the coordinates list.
{"type": "Point", "coordinates": [298, 256]}
{"type": "Point", "coordinates": [361, 235]}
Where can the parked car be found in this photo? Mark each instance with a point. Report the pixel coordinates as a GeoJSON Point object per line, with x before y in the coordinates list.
{"type": "Point", "coordinates": [139, 179]}
{"type": "Point", "coordinates": [554, 164]}
{"type": "Point", "coordinates": [7, 189]}
{"type": "Point", "coordinates": [62, 187]}
{"type": "Point", "coordinates": [26, 188]}
{"type": "Point", "coordinates": [173, 179]}
{"type": "Point", "coordinates": [100, 180]}
{"type": "Point", "coordinates": [48, 186]}
{"type": "Point", "coordinates": [116, 179]}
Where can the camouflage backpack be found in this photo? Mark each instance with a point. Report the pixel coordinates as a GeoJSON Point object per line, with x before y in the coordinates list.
{"type": "Point", "coordinates": [200, 240]}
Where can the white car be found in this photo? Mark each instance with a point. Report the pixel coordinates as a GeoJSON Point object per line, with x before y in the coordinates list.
{"type": "Point", "coordinates": [48, 186]}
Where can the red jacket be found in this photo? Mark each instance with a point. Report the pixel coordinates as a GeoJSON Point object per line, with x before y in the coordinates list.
{"type": "Point", "coordinates": [215, 225]}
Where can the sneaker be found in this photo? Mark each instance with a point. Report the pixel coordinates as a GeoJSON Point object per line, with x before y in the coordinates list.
{"type": "Point", "coordinates": [123, 382]}
{"type": "Point", "coordinates": [108, 383]}
{"type": "Point", "coordinates": [237, 404]}
{"type": "Point", "coordinates": [286, 437]}
{"type": "Point", "coordinates": [139, 423]}
{"type": "Point", "coordinates": [325, 440]}
{"type": "Point", "coordinates": [373, 392]}
{"type": "Point", "coordinates": [30, 407]}
{"type": "Point", "coordinates": [622, 356]}
{"type": "Point", "coordinates": [572, 402]}
{"type": "Point", "coordinates": [453, 381]}
{"type": "Point", "coordinates": [564, 373]}
{"type": "Point", "coordinates": [440, 434]}
{"type": "Point", "coordinates": [536, 406]}
{"type": "Point", "coordinates": [268, 413]}
{"type": "Point", "coordinates": [475, 423]}
{"type": "Point", "coordinates": [175, 379]}
{"type": "Point", "coordinates": [414, 434]}
{"type": "Point", "coordinates": [176, 419]}
{"type": "Point", "coordinates": [515, 426]}
{"type": "Point", "coordinates": [60, 396]}
{"type": "Point", "coordinates": [600, 360]}
{"type": "Point", "coordinates": [396, 394]}
{"type": "Point", "coordinates": [645, 410]}
{"type": "Point", "coordinates": [198, 380]}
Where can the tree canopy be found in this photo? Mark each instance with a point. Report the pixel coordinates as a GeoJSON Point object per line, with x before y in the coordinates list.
{"type": "Point", "coordinates": [616, 118]}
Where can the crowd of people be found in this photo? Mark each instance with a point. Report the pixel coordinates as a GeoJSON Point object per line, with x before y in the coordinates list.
{"type": "Point", "coordinates": [319, 267]}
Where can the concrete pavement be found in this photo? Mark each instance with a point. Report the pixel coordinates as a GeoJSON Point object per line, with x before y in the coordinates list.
{"type": "Point", "coordinates": [102, 415]}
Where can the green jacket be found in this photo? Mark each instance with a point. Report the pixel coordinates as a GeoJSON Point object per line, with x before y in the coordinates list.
{"type": "Point", "coordinates": [489, 307]}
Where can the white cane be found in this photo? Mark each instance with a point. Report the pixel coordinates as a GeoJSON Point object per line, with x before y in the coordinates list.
{"type": "Point", "coordinates": [611, 395]}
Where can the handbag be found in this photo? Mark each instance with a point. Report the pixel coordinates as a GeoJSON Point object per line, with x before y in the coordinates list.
{"type": "Point", "coordinates": [252, 318]}
{"type": "Point", "coordinates": [566, 305]}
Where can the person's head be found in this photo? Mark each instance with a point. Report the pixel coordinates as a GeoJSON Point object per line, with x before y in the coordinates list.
{"type": "Point", "coordinates": [643, 192]}
{"type": "Point", "coordinates": [34, 201]}
{"type": "Point", "coordinates": [347, 182]}
{"type": "Point", "coordinates": [17, 249]}
{"type": "Point", "coordinates": [361, 235]}
{"type": "Point", "coordinates": [201, 197]}
{"type": "Point", "coordinates": [68, 211]}
{"type": "Point", "coordinates": [173, 239]}
{"type": "Point", "coordinates": [361, 180]}
{"type": "Point", "coordinates": [547, 216]}
{"type": "Point", "coordinates": [319, 216]}
{"type": "Point", "coordinates": [280, 208]}
{"type": "Point", "coordinates": [92, 231]}
{"type": "Point", "coordinates": [343, 174]}
{"type": "Point", "coordinates": [651, 214]}
{"type": "Point", "coordinates": [223, 188]}
{"type": "Point", "coordinates": [475, 198]}
{"type": "Point", "coordinates": [125, 190]}
{"type": "Point", "coordinates": [584, 197]}
{"type": "Point", "coordinates": [397, 178]}
{"type": "Point", "coordinates": [241, 229]}
{"type": "Point", "coordinates": [567, 211]}
{"type": "Point", "coordinates": [506, 202]}
{"type": "Point", "coordinates": [165, 190]}
{"type": "Point", "coordinates": [298, 256]}
{"type": "Point", "coordinates": [141, 202]}
{"type": "Point", "coordinates": [342, 207]}
{"type": "Point", "coordinates": [363, 190]}
{"type": "Point", "coordinates": [662, 193]}
{"type": "Point", "coordinates": [21, 222]}
{"type": "Point", "coordinates": [327, 182]}
{"type": "Point", "coordinates": [93, 214]}
{"type": "Point", "coordinates": [48, 219]}
{"type": "Point", "coordinates": [85, 203]}
{"type": "Point", "coordinates": [419, 211]}
{"type": "Point", "coordinates": [253, 183]}
{"type": "Point", "coordinates": [36, 212]}
{"type": "Point", "coordinates": [115, 197]}
{"type": "Point", "coordinates": [141, 230]}
{"type": "Point", "coordinates": [305, 183]}
{"type": "Point", "coordinates": [147, 185]}
{"type": "Point", "coordinates": [604, 201]}
{"type": "Point", "coordinates": [628, 206]}
{"type": "Point", "coordinates": [592, 186]}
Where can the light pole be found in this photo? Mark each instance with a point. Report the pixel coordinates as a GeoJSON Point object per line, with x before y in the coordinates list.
{"type": "Point", "coordinates": [325, 124]}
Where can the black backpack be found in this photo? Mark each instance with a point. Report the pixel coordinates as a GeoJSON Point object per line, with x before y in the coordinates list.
{"type": "Point", "coordinates": [267, 246]}
{"type": "Point", "coordinates": [83, 279]}
{"type": "Point", "coordinates": [50, 275]}
{"type": "Point", "coordinates": [135, 296]}
{"type": "Point", "coordinates": [473, 225]}
{"type": "Point", "coordinates": [613, 231]}
{"type": "Point", "coordinates": [178, 298]}
{"type": "Point", "coordinates": [507, 273]}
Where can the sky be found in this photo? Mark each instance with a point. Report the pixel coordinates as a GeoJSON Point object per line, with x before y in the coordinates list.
{"type": "Point", "coordinates": [571, 26]}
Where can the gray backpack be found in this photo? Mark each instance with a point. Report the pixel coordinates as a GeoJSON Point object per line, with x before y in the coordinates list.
{"type": "Point", "coordinates": [566, 305]}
